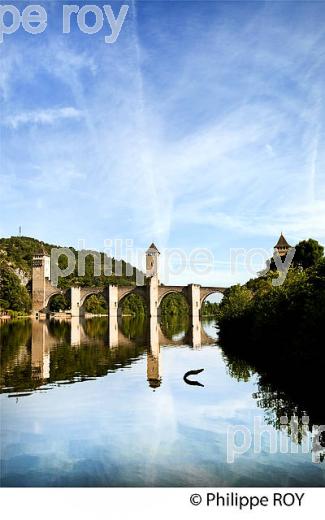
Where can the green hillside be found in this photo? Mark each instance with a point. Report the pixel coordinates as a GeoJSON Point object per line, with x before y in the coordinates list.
{"type": "Point", "coordinates": [16, 255]}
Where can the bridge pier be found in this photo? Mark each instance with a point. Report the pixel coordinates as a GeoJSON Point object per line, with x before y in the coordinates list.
{"type": "Point", "coordinates": [112, 301]}
{"type": "Point", "coordinates": [75, 301]}
{"type": "Point", "coordinates": [194, 293]}
{"type": "Point", "coordinates": [153, 296]}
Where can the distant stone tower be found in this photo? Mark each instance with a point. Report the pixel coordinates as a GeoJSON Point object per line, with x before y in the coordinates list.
{"type": "Point", "coordinates": [152, 257]}
{"type": "Point", "coordinates": [41, 274]}
{"type": "Point", "coordinates": [282, 246]}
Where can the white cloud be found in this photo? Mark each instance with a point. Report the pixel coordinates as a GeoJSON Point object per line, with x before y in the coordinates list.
{"type": "Point", "coordinates": [173, 142]}
{"type": "Point", "coordinates": [42, 117]}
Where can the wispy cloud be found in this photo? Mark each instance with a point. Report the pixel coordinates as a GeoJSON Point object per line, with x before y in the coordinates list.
{"type": "Point", "coordinates": [42, 117]}
{"type": "Point", "coordinates": [203, 127]}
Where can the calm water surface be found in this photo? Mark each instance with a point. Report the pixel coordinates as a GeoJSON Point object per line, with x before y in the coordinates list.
{"type": "Point", "coordinates": [92, 403]}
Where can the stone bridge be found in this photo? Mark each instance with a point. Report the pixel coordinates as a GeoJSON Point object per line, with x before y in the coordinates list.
{"type": "Point", "coordinates": [115, 294]}
{"type": "Point", "coordinates": [152, 292]}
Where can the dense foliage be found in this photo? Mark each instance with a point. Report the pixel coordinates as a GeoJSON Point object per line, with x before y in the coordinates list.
{"type": "Point", "coordinates": [59, 302]}
{"type": "Point", "coordinates": [133, 305]}
{"type": "Point", "coordinates": [291, 315]}
{"type": "Point", "coordinates": [308, 253]}
{"type": "Point", "coordinates": [96, 304]}
{"type": "Point", "coordinates": [209, 308]}
{"type": "Point", "coordinates": [13, 295]}
{"type": "Point", "coordinates": [174, 304]}
{"type": "Point", "coordinates": [279, 330]}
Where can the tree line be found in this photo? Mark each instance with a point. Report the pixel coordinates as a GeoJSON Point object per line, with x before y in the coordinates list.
{"type": "Point", "coordinates": [279, 331]}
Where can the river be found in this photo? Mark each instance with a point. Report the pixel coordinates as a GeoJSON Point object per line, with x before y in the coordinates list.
{"type": "Point", "coordinates": [93, 403]}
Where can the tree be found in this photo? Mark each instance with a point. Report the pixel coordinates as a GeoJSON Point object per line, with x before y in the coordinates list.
{"type": "Point", "coordinates": [4, 304]}
{"type": "Point", "coordinates": [58, 303]}
{"type": "Point", "coordinates": [12, 293]}
{"type": "Point", "coordinates": [308, 253]}
{"type": "Point", "coordinates": [174, 304]}
{"type": "Point", "coordinates": [236, 302]}
{"type": "Point", "coordinates": [96, 304]}
{"type": "Point", "coordinates": [209, 308]}
{"type": "Point", "coordinates": [133, 305]}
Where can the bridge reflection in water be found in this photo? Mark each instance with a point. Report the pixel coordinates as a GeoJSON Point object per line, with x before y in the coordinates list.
{"type": "Point", "coordinates": [115, 333]}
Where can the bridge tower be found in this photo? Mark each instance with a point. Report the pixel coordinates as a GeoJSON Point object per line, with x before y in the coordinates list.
{"type": "Point", "coordinates": [41, 275]}
{"type": "Point", "coordinates": [152, 258]}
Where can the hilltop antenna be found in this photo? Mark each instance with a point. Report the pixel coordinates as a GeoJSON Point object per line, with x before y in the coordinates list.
{"type": "Point", "coordinates": [20, 231]}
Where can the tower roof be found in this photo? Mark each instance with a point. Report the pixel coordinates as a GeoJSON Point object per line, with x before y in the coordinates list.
{"type": "Point", "coordinates": [152, 248]}
{"type": "Point", "coordinates": [282, 242]}
{"type": "Point", "coordinates": [40, 252]}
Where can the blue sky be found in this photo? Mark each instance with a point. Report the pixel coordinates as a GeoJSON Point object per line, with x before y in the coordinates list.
{"type": "Point", "coordinates": [202, 126]}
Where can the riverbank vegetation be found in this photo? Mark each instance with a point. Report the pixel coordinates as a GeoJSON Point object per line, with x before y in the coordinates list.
{"type": "Point", "coordinates": [209, 308]}
{"type": "Point", "coordinates": [287, 317]}
{"type": "Point", "coordinates": [279, 330]}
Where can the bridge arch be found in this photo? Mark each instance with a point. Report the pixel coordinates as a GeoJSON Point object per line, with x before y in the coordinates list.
{"type": "Point", "coordinates": [85, 293]}
{"type": "Point", "coordinates": [50, 295]}
{"type": "Point", "coordinates": [164, 291]}
{"type": "Point", "coordinates": [98, 307]}
{"type": "Point", "coordinates": [184, 312]}
{"type": "Point", "coordinates": [126, 293]}
{"type": "Point", "coordinates": [205, 292]}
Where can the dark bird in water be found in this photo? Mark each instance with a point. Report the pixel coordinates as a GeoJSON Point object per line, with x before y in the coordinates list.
{"type": "Point", "coordinates": [192, 373]}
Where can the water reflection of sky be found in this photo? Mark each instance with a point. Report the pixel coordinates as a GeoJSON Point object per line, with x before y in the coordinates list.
{"type": "Point", "coordinates": [118, 431]}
